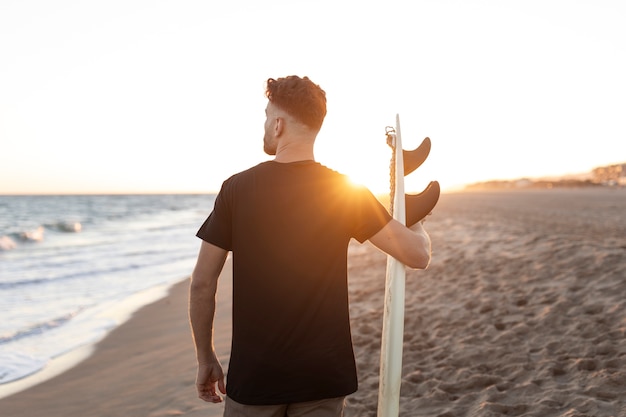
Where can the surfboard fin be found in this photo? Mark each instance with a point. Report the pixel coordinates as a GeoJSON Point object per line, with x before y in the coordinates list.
{"type": "Point", "coordinates": [413, 159]}
{"type": "Point", "coordinates": [421, 205]}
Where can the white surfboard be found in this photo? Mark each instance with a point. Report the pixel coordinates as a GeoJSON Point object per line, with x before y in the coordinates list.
{"type": "Point", "coordinates": [393, 316]}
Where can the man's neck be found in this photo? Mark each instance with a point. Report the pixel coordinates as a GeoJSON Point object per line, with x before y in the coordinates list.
{"type": "Point", "coordinates": [294, 151]}
{"type": "Point", "coordinates": [285, 159]}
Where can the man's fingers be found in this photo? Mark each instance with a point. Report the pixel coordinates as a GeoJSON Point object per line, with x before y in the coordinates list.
{"type": "Point", "coordinates": [209, 379]}
{"type": "Point", "coordinates": [208, 394]}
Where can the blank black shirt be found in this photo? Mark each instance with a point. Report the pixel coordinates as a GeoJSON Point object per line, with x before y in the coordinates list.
{"type": "Point", "coordinates": [288, 226]}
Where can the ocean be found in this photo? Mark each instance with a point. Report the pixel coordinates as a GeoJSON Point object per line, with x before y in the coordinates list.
{"type": "Point", "coordinates": [72, 268]}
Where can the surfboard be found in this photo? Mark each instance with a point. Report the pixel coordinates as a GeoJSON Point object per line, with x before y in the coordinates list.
{"type": "Point", "coordinates": [407, 209]}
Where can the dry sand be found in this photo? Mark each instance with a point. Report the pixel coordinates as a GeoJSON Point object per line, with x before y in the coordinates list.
{"type": "Point", "coordinates": [522, 313]}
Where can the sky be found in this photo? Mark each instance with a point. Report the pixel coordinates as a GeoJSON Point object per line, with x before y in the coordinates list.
{"type": "Point", "coordinates": [127, 96]}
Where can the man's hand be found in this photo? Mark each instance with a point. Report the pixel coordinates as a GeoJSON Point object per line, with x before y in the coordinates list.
{"type": "Point", "coordinates": [202, 292]}
{"type": "Point", "coordinates": [210, 375]}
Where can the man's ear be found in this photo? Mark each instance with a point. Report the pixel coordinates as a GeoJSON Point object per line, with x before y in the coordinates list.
{"type": "Point", "coordinates": [279, 126]}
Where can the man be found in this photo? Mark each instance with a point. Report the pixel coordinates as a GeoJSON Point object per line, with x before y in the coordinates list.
{"type": "Point", "coordinates": [288, 223]}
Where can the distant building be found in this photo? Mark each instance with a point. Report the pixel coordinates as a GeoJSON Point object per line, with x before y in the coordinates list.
{"type": "Point", "coordinates": [610, 175]}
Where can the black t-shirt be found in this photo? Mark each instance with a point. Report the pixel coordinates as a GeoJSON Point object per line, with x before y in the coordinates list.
{"type": "Point", "coordinates": [288, 227]}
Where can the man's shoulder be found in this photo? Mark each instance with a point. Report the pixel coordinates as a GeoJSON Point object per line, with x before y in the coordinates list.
{"type": "Point", "coordinates": [258, 167]}
{"type": "Point", "coordinates": [303, 172]}
{"type": "Point", "coordinates": [249, 171]}
{"type": "Point", "coordinates": [273, 166]}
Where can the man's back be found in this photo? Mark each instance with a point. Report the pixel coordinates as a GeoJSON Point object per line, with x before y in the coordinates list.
{"type": "Point", "coordinates": [290, 225]}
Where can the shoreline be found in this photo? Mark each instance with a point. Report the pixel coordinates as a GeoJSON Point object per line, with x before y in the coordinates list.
{"type": "Point", "coordinates": [155, 341]}
{"type": "Point", "coordinates": [120, 312]}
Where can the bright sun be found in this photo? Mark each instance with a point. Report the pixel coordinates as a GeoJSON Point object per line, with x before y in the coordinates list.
{"type": "Point", "coordinates": [374, 179]}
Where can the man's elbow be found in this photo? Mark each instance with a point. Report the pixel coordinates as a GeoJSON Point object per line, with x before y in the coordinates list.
{"type": "Point", "coordinates": [201, 284]}
{"type": "Point", "coordinates": [419, 256]}
{"type": "Point", "coordinates": [418, 259]}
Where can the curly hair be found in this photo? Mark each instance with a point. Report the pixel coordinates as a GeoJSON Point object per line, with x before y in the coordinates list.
{"type": "Point", "coordinates": [300, 97]}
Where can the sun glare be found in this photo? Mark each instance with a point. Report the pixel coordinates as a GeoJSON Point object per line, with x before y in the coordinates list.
{"type": "Point", "coordinates": [377, 182]}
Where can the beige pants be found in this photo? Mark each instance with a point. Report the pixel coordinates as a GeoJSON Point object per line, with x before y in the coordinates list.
{"type": "Point", "coordinates": [332, 407]}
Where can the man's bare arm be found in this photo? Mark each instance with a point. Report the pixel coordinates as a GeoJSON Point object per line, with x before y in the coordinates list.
{"type": "Point", "coordinates": [201, 314]}
{"type": "Point", "coordinates": [411, 246]}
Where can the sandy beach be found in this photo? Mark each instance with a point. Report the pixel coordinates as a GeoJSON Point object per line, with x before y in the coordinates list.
{"type": "Point", "coordinates": [521, 313]}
